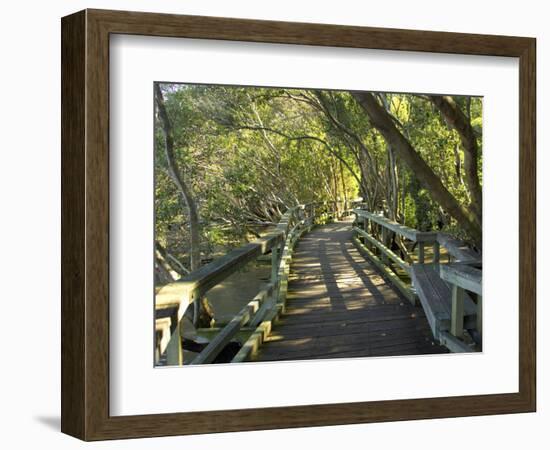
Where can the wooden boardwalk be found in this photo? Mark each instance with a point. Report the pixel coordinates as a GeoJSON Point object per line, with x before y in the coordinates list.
{"type": "Point", "coordinates": [339, 306]}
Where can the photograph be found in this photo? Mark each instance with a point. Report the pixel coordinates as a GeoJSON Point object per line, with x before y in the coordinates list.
{"type": "Point", "coordinates": [304, 224]}
{"type": "Point", "coordinates": [294, 204]}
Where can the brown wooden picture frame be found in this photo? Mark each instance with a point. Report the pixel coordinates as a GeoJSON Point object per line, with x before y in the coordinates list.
{"type": "Point", "coordinates": [85, 224]}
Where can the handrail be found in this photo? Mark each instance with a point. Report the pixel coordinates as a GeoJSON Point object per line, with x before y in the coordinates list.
{"type": "Point", "coordinates": [385, 250]}
{"type": "Point", "coordinates": [263, 319]}
{"type": "Point", "coordinates": [455, 247]}
{"type": "Point", "coordinates": [192, 287]}
{"type": "Point", "coordinates": [226, 334]}
{"type": "Point", "coordinates": [252, 312]}
{"type": "Point", "coordinates": [403, 230]}
{"type": "Point", "coordinates": [458, 249]}
{"type": "Point", "coordinates": [461, 274]}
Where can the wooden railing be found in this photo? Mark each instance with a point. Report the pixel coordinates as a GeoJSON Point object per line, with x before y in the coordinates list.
{"type": "Point", "coordinates": [463, 278]}
{"type": "Point", "coordinates": [257, 316]}
{"type": "Point", "coordinates": [373, 234]}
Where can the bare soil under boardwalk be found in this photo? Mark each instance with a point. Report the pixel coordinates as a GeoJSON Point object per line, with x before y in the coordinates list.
{"type": "Point", "coordinates": [339, 306]}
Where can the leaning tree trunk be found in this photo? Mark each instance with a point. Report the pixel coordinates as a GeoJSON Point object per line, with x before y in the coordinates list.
{"type": "Point", "coordinates": [456, 119]}
{"type": "Point", "coordinates": [202, 313]}
{"type": "Point", "coordinates": [178, 178]}
{"type": "Point", "coordinates": [169, 261]}
{"type": "Point", "coordinates": [385, 125]}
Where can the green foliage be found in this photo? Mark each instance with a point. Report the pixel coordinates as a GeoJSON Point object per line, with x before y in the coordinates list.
{"type": "Point", "coordinates": [250, 153]}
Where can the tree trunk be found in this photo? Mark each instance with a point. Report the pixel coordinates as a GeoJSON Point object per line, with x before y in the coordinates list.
{"type": "Point", "coordinates": [385, 125]}
{"type": "Point", "coordinates": [170, 261]}
{"type": "Point", "coordinates": [344, 187]}
{"type": "Point", "coordinates": [458, 165]}
{"type": "Point", "coordinates": [162, 274]}
{"type": "Point", "coordinates": [456, 119]}
{"type": "Point", "coordinates": [202, 313]}
{"type": "Point", "coordinates": [165, 265]}
{"type": "Point", "coordinates": [179, 180]}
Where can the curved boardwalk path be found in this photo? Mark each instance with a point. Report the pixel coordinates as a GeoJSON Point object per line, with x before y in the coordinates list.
{"type": "Point", "coordinates": [339, 306]}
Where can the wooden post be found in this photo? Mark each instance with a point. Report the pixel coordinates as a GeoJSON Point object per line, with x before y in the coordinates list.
{"type": "Point", "coordinates": [421, 252]}
{"type": "Point", "coordinates": [385, 242]}
{"type": "Point", "coordinates": [196, 310]}
{"type": "Point", "coordinates": [174, 352]}
{"type": "Point", "coordinates": [274, 264]}
{"type": "Point", "coordinates": [367, 226]}
{"type": "Point", "coordinates": [436, 252]}
{"type": "Point", "coordinates": [457, 312]}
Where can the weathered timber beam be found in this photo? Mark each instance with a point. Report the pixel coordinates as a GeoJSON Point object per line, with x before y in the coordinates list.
{"type": "Point", "coordinates": [462, 275]}
{"type": "Point", "coordinates": [454, 344]}
{"type": "Point", "coordinates": [217, 344]}
{"type": "Point", "coordinates": [402, 230]}
{"type": "Point", "coordinates": [395, 280]}
{"type": "Point", "coordinates": [284, 264]}
{"type": "Point", "coordinates": [457, 311]}
{"type": "Point", "coordinates": [385, 250]}
{"type": "Point", "coordinates": [272, 308]}
{"type": "Point", "coordinates": [174, 352]}
{"type": "Point", "coordinates": [253, 343]}
{"type": "Point", "coordinates": [458, 249]}
{"type": "Point", "coordinates": [197, 283]}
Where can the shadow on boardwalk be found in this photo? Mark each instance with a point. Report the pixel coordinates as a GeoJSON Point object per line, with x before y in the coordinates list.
{"type": "Point", "coordinates": [339, 305]}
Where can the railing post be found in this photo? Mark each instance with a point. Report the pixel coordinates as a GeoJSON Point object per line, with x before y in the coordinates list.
{"type": "Point", "coordinates": [421, 252]}
{"type": "Point", "coordinates": [457, 312]}
{"type": "Point", "coordinates": [385, 242]}
{"type": "Point", "coordinates": [436, 252]}
{"type": "Point", "coordinates": [196, 309]}
{"type": "Point", "coordinates": [174, 352]}
{"type": "Point", "coordinates": [274, 264]}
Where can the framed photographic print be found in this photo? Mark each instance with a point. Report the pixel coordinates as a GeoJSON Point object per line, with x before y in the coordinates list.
{"type": "Point", "coordinates": [270, 224]}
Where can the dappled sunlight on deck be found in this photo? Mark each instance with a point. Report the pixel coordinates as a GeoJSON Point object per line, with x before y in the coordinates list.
{"type": "Point", "coordinates": [338, 305]}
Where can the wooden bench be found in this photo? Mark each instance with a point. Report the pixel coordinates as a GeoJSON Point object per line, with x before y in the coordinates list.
{"type": "Point", "coordinates": [436, 298]}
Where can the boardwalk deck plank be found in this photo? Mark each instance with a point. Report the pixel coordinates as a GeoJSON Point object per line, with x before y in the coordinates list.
{"type": "Point", "coordinates": [339, 305]}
